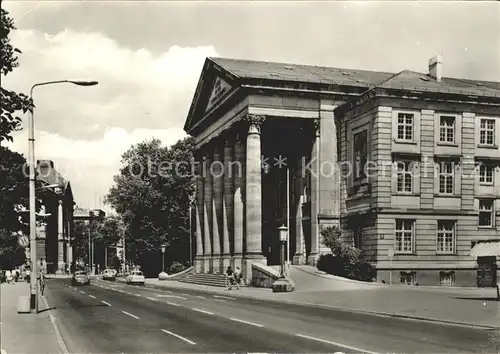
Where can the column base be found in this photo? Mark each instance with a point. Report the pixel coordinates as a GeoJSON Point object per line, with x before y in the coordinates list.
{"type": "Point", "coordinates": [227, 262]}
{"type": "Point", "coordinates": [248, 260]}
{"type": "Point", "coordinates": [237, 261]}
{"type": "Point", "coordinates": [61, 268]}
{"type": "Point", "coordinates": [312, 260]}
{"type": "Point", "coordinates": [207, 264]}
{"type": "Point", "coordinates": [217, 264]}
{"type": "Point", "coordinates": [299, 259]}
{"type": "Point", "coordinates": [198, 264]}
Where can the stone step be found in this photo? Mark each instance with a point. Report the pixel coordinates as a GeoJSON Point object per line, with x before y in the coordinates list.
{"type": "Point", "coordinates": [217, 280]}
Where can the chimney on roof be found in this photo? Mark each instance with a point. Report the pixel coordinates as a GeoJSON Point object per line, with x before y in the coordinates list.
{"type": "Point", "coordinates": [436, 67]}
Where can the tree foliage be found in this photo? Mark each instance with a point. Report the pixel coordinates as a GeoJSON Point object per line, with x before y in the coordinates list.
{"type": "Point", "coordinates": [11, 103]}
{"type": "Point", "coordinates": [152, 194]}
{"type": "Point", "coordinates": [14, 197]}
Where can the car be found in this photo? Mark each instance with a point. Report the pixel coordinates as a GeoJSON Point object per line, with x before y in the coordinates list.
{"type": "Point", "coordinates": [80, 278]}
{"type": "Point", "coordinates": [136, 277]}
{"type": "Point", "coordinates": [109, 274]}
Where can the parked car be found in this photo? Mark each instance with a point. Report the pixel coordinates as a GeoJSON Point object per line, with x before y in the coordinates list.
{"type": "Point", "coordinates": [136, 277]}
{"type": "Point", "coordinates": [80, 278]}
{"type": "Point", "coordinates": [109, 274]}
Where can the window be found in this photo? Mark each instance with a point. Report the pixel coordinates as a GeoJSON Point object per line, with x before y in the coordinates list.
{"type": "Point", "coordinates": [405, 176]}
{"type": "Point", "coordinates": [360, 153]}
{"type": "Point", "coordinates": [446, 236]}
{"type": "Point", "coordinates": [486, 215]}
{"type": "Point", "coordinates": [405, 229]}
{"type": "Point", "coordinates": [487, 132]}
{"type": "Point", "coordinates": [447, 129]}
{"type": "Point", "coordinates": [446, 177]}
{"type": "Point", "coordinates": [486, 174]}
{"type": "Point", "coordinates": [405, 126]}
{"type": "Point", "coordinates": [447, 278]}
{"type": "Point", "coordinates": [408, 278]}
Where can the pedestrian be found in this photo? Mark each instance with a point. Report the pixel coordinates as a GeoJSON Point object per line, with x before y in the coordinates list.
{"type": "Point", "coordinates": [42, 282]}
{"type": "Point", "coordinates": [237, 277]}
{"type": "Point", "coordinates": [28, 275]}
{"type": "Point", "coordinates": [8, 276]}
{"type": "Point", "coordinates": [229, 278]}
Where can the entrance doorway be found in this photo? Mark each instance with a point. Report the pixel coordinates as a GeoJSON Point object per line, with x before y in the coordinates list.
{"type": "Point", "coordinates": [486, 272]}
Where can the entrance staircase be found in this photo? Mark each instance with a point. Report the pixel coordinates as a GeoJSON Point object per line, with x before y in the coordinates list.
{"type": "Point", "coordinates": [217, 280]}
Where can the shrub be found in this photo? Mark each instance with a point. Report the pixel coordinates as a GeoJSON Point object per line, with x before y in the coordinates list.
{"type": "Point", "coordinates": [345, 261]}
{"type": "Point", "coordinates": [176, 267]}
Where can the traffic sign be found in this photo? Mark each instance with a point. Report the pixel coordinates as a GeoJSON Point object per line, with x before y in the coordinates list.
{"type": "Point", "coordinates": [24, 241]}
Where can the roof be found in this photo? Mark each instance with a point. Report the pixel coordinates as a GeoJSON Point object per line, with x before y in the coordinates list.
{"type": "Point", "coordinates": [486, 249]}
{"type": "Point", "coordinates": [249, 69]}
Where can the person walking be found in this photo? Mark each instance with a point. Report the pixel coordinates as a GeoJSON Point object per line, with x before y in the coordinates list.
{"type": "Point", "coordinates": [229, 278]}
{"type": "Point", "coordinates": [237, 277]}
{"type": "Point", "coordinates": [42, 282]}
{"type": "Point", "coordinates": [8, 276]}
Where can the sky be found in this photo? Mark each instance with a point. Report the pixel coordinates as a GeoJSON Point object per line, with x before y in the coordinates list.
{"type": "Point", "coordinates": [148, 56]}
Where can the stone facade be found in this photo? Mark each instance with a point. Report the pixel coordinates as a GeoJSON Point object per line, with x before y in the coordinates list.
{"type": "Point", "coordinates": [256, 123]}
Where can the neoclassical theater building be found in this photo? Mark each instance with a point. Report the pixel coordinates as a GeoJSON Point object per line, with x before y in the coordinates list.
{"type": "Point", "coordinates": [307, 147]}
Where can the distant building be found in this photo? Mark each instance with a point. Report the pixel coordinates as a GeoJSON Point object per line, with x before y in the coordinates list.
{"type": "Point", "coordinates": [54, 251]}
{"type": "Point", "coordinates": [248, 116]}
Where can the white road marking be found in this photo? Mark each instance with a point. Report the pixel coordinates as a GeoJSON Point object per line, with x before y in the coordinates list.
{"type": "Point", "coordinates": [224, 297]}
{"type": "Point", "coordinates": [203, 311]}
{"type": "Point", "coordinates": [129, 314]}
{"type": "Point", "coordinates": [184, 294]}
{"type": "Point", "coordinates": [60, 341]}
{"type": "Point", "coordinates": [173, 304]}
{"type": "Point", "coordinates": [106, 303]}
{"type": "Point", "coordinates": [175, 296]}
{"type": "Point", "coordinates": [83, 292]}
{"type": "Point", "coordinates": [92, 296]}
{"type": "Point", "coordinates": [357, 350]}
{"type": "Point", "coordinates": [151, 298]}
{"type": "Point", "coordinates": [200, 297]}
{"type": "Point", "coordinates": [178, 336]}
{"type": "Point", "coordinates": [246, 322]}
{"type": "Point", "coordinates": [139, 295]}
{"type": "Point", "coordinates": [220, 300]}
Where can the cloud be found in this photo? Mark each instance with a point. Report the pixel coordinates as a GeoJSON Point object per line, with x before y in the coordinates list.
{"type": "Point", "coordinates": [84, 130]}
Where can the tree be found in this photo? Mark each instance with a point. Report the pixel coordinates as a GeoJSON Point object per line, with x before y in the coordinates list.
{"type": "Point", "coordinates": [152, 194]}
{"type": "Point", "coordinates": [10, 102]}
{"type": "Point", "coordinates": [14, 197]}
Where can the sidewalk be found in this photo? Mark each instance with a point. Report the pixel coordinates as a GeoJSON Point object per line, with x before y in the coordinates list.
{"type": "Point", "coordinates": [477, 308]}
{"type": "Point", "coordinates": [25, 333]}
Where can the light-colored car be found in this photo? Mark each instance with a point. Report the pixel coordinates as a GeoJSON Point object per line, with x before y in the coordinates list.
{"type": "Point", "coordinates": [109, 274]}
{"type": "Point", "coordinates": [136, 277]}
{"type": "Point", "coordinates": [80, 278]}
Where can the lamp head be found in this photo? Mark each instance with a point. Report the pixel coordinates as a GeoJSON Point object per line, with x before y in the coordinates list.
{"type": "Point", "coordinates": [283, 233]}
{"type": "Point", "coordinates": [84, 83]}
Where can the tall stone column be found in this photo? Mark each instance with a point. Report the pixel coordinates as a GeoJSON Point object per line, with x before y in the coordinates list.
{"type": "Point", "coordinates": [300, 252]}
{"type": "Point", "coordinates": [238, 172]}
{"type": "Point", "coordinates": [207, 214]}
{"type": "Point", "coordinates": [315, 163]}
{"type": "Point", "coordinates": [227, 208]}
{"type": "Point", "coordinates": [253, 195]}
{"type": "Point", "coordinates": [61, 265]}
{"type": "Point", "coordinates": [199, 217]}
{"type": "Point", "coordinates": [217, 171]}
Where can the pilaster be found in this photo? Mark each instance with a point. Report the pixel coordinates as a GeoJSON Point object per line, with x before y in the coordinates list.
{"type": "Point", "coordinates": [315, 191]}
{"type": "Point", "coordinates": [227, 208]}
{"type": "Point", "coordinates": [253, 194]}
{"type": "Point", "coordinates": [217, 170]}
{"type": "Point", "coordinates": [61, 265]}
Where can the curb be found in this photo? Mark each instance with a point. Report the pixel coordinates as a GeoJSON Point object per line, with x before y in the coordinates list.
{"type": "Point", "coordinates": [343, 309]}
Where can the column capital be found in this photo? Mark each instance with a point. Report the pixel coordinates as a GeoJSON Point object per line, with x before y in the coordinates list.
{"type": "Point", "coordinates": [317, 127]}
{"type": "Point", "coordinates": [255, 121]}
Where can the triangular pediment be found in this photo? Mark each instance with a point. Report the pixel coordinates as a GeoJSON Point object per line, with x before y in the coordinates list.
{"type": "Point", "coordinates": [219, 89]}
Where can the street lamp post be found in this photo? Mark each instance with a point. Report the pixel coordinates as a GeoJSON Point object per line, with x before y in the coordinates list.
{"type": "Point", "coordinates": [34, 291]}
{"type": "Point", "coordinates": [282, 284]}
{"type": "Point", "coordinates": [163, 247]}
{"type": "Point", "coordinates": [191, 201]}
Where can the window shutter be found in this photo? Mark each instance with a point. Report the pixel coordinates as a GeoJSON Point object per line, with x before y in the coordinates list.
{"type": "Point", "coordinates": [416, 177]}
{"type": "Point", "coordinates": [457, 179]}
{"type": "Point", "coordinates": [394, 178]}
{"type": "Point", "coordinates": [436, 178]}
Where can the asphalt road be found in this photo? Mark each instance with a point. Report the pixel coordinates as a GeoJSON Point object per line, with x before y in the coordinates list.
{"type": "Point", "coordinates": [117, 318]}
